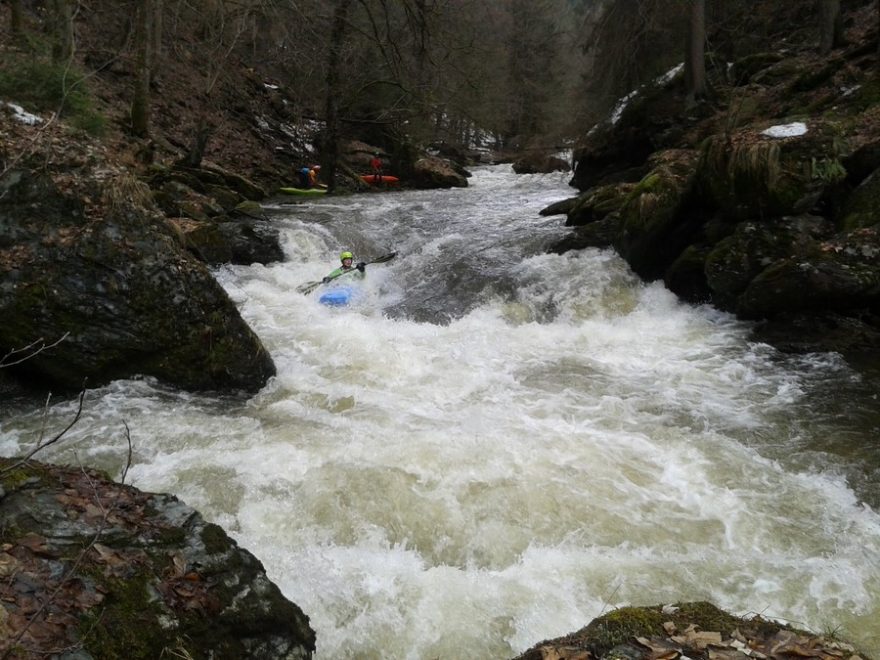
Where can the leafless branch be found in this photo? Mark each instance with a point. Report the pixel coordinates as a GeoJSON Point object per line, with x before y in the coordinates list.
{"type": "Point", "coordinates": [31, 350]}
{"type": "Point", "coordinates": [42, 445]}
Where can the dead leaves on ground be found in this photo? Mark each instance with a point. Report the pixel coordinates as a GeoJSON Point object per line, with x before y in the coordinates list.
{"type": "Point", "coordinates": [692, 643]}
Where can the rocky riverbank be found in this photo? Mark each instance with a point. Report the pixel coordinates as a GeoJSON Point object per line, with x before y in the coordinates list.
{"type": "Point", "coordinates": [92, 568]}
{"type": "Point", "coordinates": [762, 200]}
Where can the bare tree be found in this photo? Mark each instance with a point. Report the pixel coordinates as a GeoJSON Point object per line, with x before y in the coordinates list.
{"type": "Point", "coordinates": [16, 17]}
{"type": "Point", "coordinates": [831, 25]}
{"type": "Point", "coordinates": [61, 15]}
{"type": "Point", "coordinates": [695, 57]}
{"type": "Point", "coordinates": [144, 30]}
{"type": "Point", "coordinates": [331, 106]}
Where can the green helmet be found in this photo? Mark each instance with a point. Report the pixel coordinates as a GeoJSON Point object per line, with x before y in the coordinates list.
{"type": "Point", "coordinates": [346, 255]}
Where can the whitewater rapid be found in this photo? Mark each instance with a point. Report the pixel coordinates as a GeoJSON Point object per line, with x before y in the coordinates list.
{"type": "Point", "coordinates": [495, 444]}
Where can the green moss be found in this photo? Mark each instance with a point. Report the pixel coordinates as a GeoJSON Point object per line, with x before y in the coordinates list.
{"type": "Point", "coordinates": [621, 625]}
{"type": "Point", "coordinates": [44, 86]}
{"type": "Point", "coordinates": [126, 626]}
{"type": "Point", "coordinates": [215, 539]}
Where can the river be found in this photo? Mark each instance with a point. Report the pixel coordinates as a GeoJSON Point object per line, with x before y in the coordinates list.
{"type": "Point", "coordinates": [495, 445]}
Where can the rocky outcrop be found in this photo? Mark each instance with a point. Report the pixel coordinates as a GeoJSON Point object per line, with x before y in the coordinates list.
{"type": "Point", "coordinates": [762, 212]}
{"type": "Point", "coordinates": [88, 260]}
{"type": "Point", "coordinates": [538, 163]}
{"type": "Point", "coordinates": [96, 569]}
{"type": "Point", "coordinates": [692, 630]}
{"type": "Point", "coordinates": [217, 213]}
{"type": "Point", "coordinates": [435, 172]}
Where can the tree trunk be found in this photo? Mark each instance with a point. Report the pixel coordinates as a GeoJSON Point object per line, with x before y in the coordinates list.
{"type": "Point", "coordinates": [695, 57]}
{"type": "Point", "coordinates": [331, 107]}
{"type": "Point", "coordinates": [143, 39]}
{"type": "Point", "coordinates": [16, 18]}
{"type": "Point", "coordinates": [831, 28]}
{"type": "Point", "coordinates": [194, 158]}
{"type": "Point", "coordinates": [61, 22]}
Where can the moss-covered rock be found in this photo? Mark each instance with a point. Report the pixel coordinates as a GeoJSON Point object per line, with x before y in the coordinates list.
{"type": "Point", "coordinates": [843, 274]}
{"type": "Point", "coordinates": [597, 203]}
{"type": "Point", "coordinates": [752, 175]}
{"type": "Point", "coordinates": [129, 575]}
{"type": "Point", "coordinates": [654, 227]}
{"type": "Point", "coordinates": [735, 261]}
{"type": "Point", "coordinates": [862, 208]}
{"type": "Point", "coordinates": [94, 263]}
{"type": "Point", "coordinates": [693, 630]}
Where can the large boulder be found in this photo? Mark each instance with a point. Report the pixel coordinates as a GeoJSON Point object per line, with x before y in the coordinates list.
{"type": "Point", "coordinates": [862, 208]}
{"type": "Point", "coordinates": [654, 226]}
{"type": "Point", "coordinates": [93, 263]}
{"type": "Point", "coordinates": [693, 630]}
{"type": "Point", "coordinates": [538, 163]}
{"type": "Point", "coordinates": [435, 172]}
{"type": "Point", "coordinates": [842, 275]}
{"type": "Point", "coordinates": [597, 203]}
{"type": "Point", "coordinates": [753, 174]}
{"type": "Point", "coordinates": [103, 570]}
{"type": "Point", "coordinates": [735, 261]}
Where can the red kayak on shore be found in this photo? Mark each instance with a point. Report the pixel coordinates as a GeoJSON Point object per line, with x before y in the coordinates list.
{"type": "Point", "coordinates": [379, 180]}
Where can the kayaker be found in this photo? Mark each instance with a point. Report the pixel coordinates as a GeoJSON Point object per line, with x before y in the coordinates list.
{"type": "Point", "coordinates": [313, 176]}
{"type": "Point", "coordinates": [347, 259]}
{"type": "Point", "coordinates": [304, 178]}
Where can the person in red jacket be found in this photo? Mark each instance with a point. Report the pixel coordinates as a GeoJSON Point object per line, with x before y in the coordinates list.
{"type": "Point", "coordinates": [376, 167]}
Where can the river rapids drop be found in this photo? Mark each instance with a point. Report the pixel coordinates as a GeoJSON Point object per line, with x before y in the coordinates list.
{"type": "Point", "coordinates": [494, 445]}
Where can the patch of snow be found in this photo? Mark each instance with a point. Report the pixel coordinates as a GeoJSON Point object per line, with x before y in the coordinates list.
{"type": "Point", "coordinates": [270, 86]}
{"type": "Point", "coordinates": [786, 130]}
{"type": "Point", "coordinates": [620, 106]}
{"type": "Point", "coordinates": [617, 113]}
{"type": "Point", "coordinates": [19, 114]}
{"type": "Point", "coordinates": [846, 91]}
{"type": "Point", "coordinates": [669, 75]}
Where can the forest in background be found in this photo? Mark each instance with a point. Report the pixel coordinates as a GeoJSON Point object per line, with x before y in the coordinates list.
{"type": "Point", "coordinates": [510, 74]}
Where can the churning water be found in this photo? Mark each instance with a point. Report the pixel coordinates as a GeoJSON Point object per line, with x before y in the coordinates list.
{"type": "Point", "coordinates": [495, 445]}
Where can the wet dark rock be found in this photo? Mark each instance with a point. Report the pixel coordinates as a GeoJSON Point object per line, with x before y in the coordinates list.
{"type": "Point", "coordinates": [538, 163]}
{"type": "Point", "coordinates": [699, 631]}
{"type": "Point", "coordinates": [95, 264]}
{"type": "Point", "coordinates": [434, 172]}
{"type": "Point", "coordinates": [125, 574]}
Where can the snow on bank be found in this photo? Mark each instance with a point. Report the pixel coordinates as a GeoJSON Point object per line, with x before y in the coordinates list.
{"type": "Point", "coordinates": [20, 114]}
{"type": "Point", "coordinates": [794, 129]}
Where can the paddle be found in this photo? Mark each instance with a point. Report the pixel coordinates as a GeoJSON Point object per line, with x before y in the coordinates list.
{"type": "Point", "coordinates": [308, 287]}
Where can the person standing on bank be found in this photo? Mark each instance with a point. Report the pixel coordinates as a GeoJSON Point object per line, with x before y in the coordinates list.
{"type": "Point", "coordinates": [347, 259]}
{"type": "Point", "coordinates": [376, 167]}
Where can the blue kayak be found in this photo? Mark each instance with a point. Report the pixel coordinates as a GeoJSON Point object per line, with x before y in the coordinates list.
{"type": "Point", "coordinates": [338, 296]}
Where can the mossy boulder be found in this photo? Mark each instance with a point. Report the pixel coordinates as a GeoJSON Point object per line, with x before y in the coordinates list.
{"type": "Point", "coordinates": [598, 234]}
{"type": "Point", "coordinates": [862, 208]}
{"type": "Point", "coordinates": [128, 575]}
{"type": "Point", "coordinates": [225, 241]}
{"type": "Point", "coordinates": [686, 277]}
{"type": "Point", "coordinates": [538, 163]}
{"type": "Point", "coordinates": [597, 203]}
{"type": "Point", "coordinates": [654, 227]}
{"type": "Point", "coordinates": [95, 265]}
{"type": "Point", "coordinates": [842, 274]}
{"type": "Point", "coordinates": [734, 262]}
{"type": "Point", "coordinates": [693, 630]}
{"type": "Point", "coordinates": [752, 175]}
